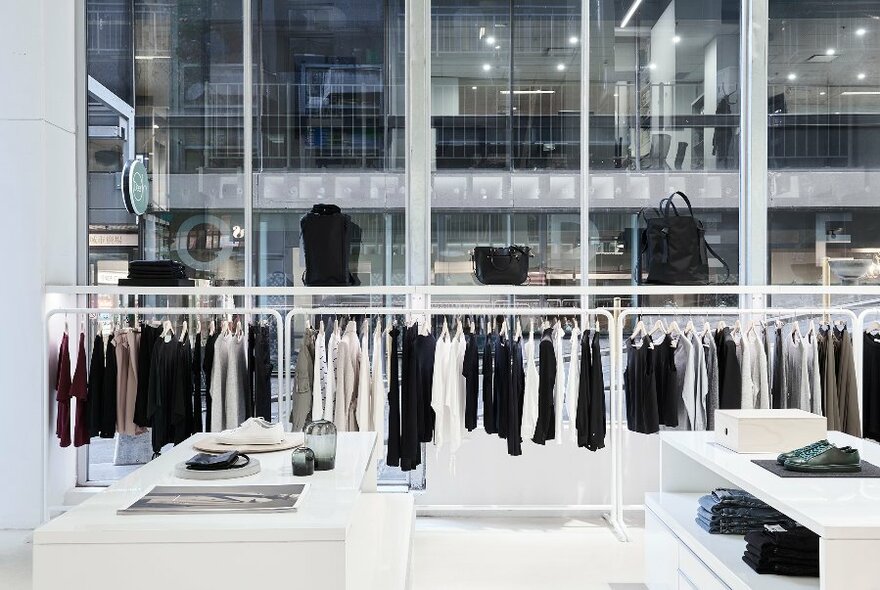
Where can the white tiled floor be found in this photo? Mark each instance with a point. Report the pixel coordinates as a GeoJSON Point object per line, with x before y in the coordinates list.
{"type": "Point", "coordinates": [472, 553]}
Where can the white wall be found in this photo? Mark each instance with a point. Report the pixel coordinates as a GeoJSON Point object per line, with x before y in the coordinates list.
{"type": "Point", "coordinates": [38, 185]}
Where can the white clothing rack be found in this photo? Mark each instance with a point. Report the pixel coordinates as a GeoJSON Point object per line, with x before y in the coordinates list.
{"type": "Point", "coordinates": [45, 410]}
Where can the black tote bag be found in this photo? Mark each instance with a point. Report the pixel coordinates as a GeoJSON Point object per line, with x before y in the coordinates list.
{"type": "Point", "coordinates": [674, 248]}
{"type": "Point", "coordinates": [501, 266]}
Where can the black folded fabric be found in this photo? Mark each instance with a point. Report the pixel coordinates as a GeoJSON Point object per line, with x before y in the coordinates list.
{"type": "Point", "coordinates": [804, 560]}
{"type": "Point", "coordinates": [208, 462]}
{"type": "Point", "coordinates": [781, 569]}
{"type": "Point", "coordinates": [780, 552]}
{"type": "Point", "coordinates": [789, 537]}
{"type": "Point", "coordinates": [156, 269]}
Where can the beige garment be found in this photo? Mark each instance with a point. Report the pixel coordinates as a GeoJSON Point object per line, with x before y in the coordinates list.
{"type": "Point", "coordinates": [127, 345]}
{"type": "Point", "coordinates": [347, 372]}
{"type": "Point", "coordinates": [847, 386]}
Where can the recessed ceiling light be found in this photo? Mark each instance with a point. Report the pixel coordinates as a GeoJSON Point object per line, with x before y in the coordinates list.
{"type": "Point", "coordinates": [652, 66]}
{"type": "Point", "coordinates": [822, 93]}
{"type": "Point", "coordinates": [486, 67]}
{"type": "Point", "coordinates": [676, 39]}
{"type": "Point", "coordinates": [473, 87]}
{"type": "Point", "coordinates": [490, 40]}
{"type": "Point", "coordinates": [861, 76]}
{"type": "Point", "coordinates": [792, 76]}
{"type": "Point", "coordinates": [497, 47]}
{"type": "Point", "coordinates": [615, 94]}
{"type": "Point", "coordinates": [573, 40]}
{"type": "Point", "coordinates": [560, 67]}
{"type": "Point", "coordinates": [830, 51]}
{"type": "Point", "coordinates": [861, 32]}
{"type": "Point", "coordinates": [860, 93]}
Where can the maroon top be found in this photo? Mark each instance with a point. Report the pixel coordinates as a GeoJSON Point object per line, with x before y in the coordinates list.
{"type": "Point", "coordinates": [62, 387]}
{"type": "Point", "coordinates": [79, 390]}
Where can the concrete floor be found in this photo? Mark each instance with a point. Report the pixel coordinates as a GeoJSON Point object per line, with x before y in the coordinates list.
{"type": "Point", "coordinates": [472, 553]}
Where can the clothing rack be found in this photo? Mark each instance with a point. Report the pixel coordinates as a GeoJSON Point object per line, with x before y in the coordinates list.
{"type": "Point", "coordinates": [45, 410]}
{"type": "Point", "coordinates": [614, 516]}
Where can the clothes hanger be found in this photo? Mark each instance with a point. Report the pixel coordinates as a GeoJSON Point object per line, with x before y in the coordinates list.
{"type": "Point", "coordinates": [659, 326]}
{"type": "Point", "coordinates": [674, 328]}
{"type": "Point", "coordinates": [167, 328]}
{"type": "Point", "coordinates": [873, 327]}
{"type": "Point", "coordinates": [183, 331]}
{"type": "Point", "coordinates": [690, 328]}
{"type": "Point", "coordinates": [518, 332]}
{"type": "Point", "coordinates": [721, 325]}
{"type": "Point", "coordinates": [640, 329]}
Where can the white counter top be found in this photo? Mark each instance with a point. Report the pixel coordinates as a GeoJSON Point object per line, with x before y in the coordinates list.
{"type": "Point", "coordinates": [325, 513]}
{"type": "Point", "coordinates": [834, 508]}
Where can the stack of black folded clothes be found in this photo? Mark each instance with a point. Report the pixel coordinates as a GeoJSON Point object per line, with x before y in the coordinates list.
{"type": "Point", "coordinates": [787, 551]}
{"type": "Point", "coordinates": [736, 512]}
{"type": "Point", "coordinates": [158, 273]}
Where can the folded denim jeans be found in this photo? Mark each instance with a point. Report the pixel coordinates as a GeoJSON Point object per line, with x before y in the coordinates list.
{"type": "Point", "coordinates": [738, 497]}
{"type": "Point", "coordinates": [737, 511]}
{"type": "Point", "coordinates": [772, 518]}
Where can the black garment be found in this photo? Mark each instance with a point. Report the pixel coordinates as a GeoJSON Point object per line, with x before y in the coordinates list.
{"type": "Point", "coordinates": [777, 391]}
{"type": "Point", "coordinates": [185, 371]}
{"type": "Point", "coordinates": [470, 370]}
{"type": "Point", "coordinates": [261, 372]}
{"type": "Point", "coordinates": [663, 365]}
{"type": "Point", "coordinates": [169, 405]}
{"type": "Point", "coordinates": [96, 386]}
{"type": "Point", "coordinates": [723, 138]}
{"type": "Point", "coordinates": [327, 239]}
{"type": "Point", "coordinates": [488, 389]}
{"type": "Point", "coordinates": [784, 550]}
{"type": "Point", "coordinates": [251, 372]}
{"type": "Point", "coordinates": [149, 335]}
{"type": "Point", "coordinates": [197, 425]}
{"type": "Point", "coordinates": [207, 365]}
{"type": "Point", "coordinates": [502, 385]}
{"type": "Point", "coordinates": [417, 416]}
{"type": "Point", "coordinates": [516, 399]}
{"type": "Point", "coordinates": [393, 454]}
{"type": "Point", "coordinates": [107, 419]}
{"type": "Point", "coordinates": [729, 372]}
{"type": "Point", "coordinates": [546, 428]}
{"type": "Point", "coordinates": [591, 422]}
{"type": "Point", "coordinates": [871, 387]}
{"type": "Point", "coordinates": [640, 387]}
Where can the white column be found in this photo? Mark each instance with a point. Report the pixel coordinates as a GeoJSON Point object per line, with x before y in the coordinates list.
{"type": "Point", "coordinates": [38, 180]}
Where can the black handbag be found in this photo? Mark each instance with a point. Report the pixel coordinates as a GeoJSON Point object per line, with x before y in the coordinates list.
{"type": "Point", "coordinates": [674, 248]}
{"type": "Point", "coordinates": [501, 266]}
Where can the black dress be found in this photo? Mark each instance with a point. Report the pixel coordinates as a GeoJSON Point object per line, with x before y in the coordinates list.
{"type": "Point", "coordinates": [170, 385]}
{"type": "Point", "coordinates": [488, 391]}
{"type": "Point", "coordinates": [262, 373]}
{"type": "Point", "coordinates": [729, 375]}
{"type": "Point", "coordinates": [516, 399]}
{"type": "Point", "coordinates": [470, 370]}
{"type": "Point", "coordinates": [640, 387]}
{"type": "Point", "coordinates": [96, 386]}
{"type": "Point", "coordinates": [546, 427]}
{"type": "Point", "coordinates": [393, 454]}
{"type": "Point", "coordinates": [149, 335]}
{"type": "Point", "coordinates": [502, 385]}
{"type": "Point", "coordinates": [663, 365]}
{"type": "Point", "coordinates": [107, 424]}
{"type": "Point", "coordinates": [207, 365]}
{"type": "Point", "coordinates": [425, 349]}
{"type": "Point", "coordinates": [197, 384]}
{"type": "Point", "coordinates": [595, 436]}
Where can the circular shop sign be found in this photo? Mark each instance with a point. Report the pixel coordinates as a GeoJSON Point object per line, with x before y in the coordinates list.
{"type": "Point", "coordinates": [135, 187]}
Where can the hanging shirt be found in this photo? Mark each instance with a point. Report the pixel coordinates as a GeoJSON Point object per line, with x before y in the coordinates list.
{"type": "Point", "coordinates": [347, 372]}
{"type": "Point", "coordinates": [711, 357]}
{"type": "Point", "coordinates": [663, 366]}
{"type": "Point", "coordinates": [471, 373]}
{"type": "Point", "coordinates": [501, 382]}
{"type": "Point", "coordinates": [640, 388]}
{"type": "Point", "coordinates": [62, 393]}
{"type": "Point", "coordinates": [701, 381]}
{"type": "Point", "coordinates": [729, 375]}
{"type": "Point", "coordinates": [319, 376]}
{"type": "Point", "coordinates": [439, 388]}
{"type": "Point", "coordinates": [871, 386]}
{"type": "Point", "coordinates": [516, 399]}
{"type": "Point", "coordinates": [330, 377]}
{"type": "Point", "coordinates": [847, 387]}
{"type": "Point", "coordinates": [573, 384]}
{"type": "Point", "coordinates": [127, 349]}
{"type": "Point", "coordinates": [377, 390]}
{"type": "Point", "coordinates": [393, 456]}
{"type": "Point", "coordinates": [760, 373]}
{"type": "Point", "coordinates": [79, 389]}
{"type": "Point", "coordinates": [593, 438]}
{"type": "Point", "coordinates": [96, 385]}
{"type": "Point", "coordinates": [362, 399]}
{"type": "Point", "coordinates": [814, 379]}
{"type": "Point", "coordinates": [779, 399]}
{"type": "Point", "coordinates": [207, 366]}
{"type": "Point", "coordinates": [545, 429]}
{"type": "Point", "coordinates": [303, 390]}
{"type": "Point", "coordinates": [744, 357]}
{"type": "Point", "coordinates": [107, 417]}
{"type": "Point", "coordinates": [229, 382]}
{"type": "Point", "coordinates": [684, 390]}
{"type": "Point", "coordinates": [795, 370]}
{"type": "Point", "coordinates": [198, 425]}
{"type": "Point", "coordinates": [488, 387]}
{"type": "Point", "coordinates": [559, 387]}
{"type": "Point", "coordinates": [531, 395]}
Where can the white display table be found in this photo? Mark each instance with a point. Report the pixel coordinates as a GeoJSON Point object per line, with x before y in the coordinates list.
{"type": "Point", "coordinates": [844, 512]}
{"type": "Point", "coordinates": [341, 537]}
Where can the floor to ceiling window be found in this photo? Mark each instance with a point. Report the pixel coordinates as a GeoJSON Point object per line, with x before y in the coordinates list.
{"type": "Point", "coordinates": [664, 117]}
{"type": "Point", "coordinates": [505, 125]}
{"type": "Point", "coordinates": [823, 150]}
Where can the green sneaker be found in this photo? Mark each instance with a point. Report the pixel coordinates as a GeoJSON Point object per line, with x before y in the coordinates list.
{"type": "Point", "coordinates": [823, 444]}
{"type": "Point", "coordinates": [828, 460]}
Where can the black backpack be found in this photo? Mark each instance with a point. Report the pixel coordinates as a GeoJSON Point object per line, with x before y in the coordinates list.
{"type": "Point", "coordinates": [327, 235]}
{"type": "Point", "coordinates": [674, 246]}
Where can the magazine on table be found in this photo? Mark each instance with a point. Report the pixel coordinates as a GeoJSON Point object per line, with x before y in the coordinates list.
{"type": "Point", "coordinates": [245, 499]}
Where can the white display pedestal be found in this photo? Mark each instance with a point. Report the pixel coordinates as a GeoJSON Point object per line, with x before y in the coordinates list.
{"type": "Point", "coordinates": [343, 536]}
{"type": "Point", "coordinates": [844, 512]}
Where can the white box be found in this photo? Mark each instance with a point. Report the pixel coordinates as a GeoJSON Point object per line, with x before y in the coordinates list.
{"type": "Point", "coordinates": [768, 431]}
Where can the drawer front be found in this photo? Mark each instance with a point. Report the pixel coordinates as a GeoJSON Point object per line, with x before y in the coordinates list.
{"type": "Point", "coordinates": [661, 554]}
{"type": "Point", "coordinates": [696, 572]}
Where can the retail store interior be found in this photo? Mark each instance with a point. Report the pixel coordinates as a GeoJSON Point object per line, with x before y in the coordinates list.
{"type": "Point", "coordinates": [413, 294]}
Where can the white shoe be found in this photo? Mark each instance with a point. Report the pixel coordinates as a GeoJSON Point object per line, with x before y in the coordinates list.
{"type": "Point", "coordinates": [254, 431]}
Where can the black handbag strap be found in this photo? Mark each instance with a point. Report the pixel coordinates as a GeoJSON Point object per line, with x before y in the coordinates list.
{"type": "Point", "coordinates": [721, 260]}
{"type": "Point", "coordinates": [669, 203]}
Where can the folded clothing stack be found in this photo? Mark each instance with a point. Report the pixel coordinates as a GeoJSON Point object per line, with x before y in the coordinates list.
{"type": "Point", "coordinates": [787, 551]}
{"type": "Point", "coordinates": [156, 272]}
{"type": "Point", "coordinates": [736, 512]}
